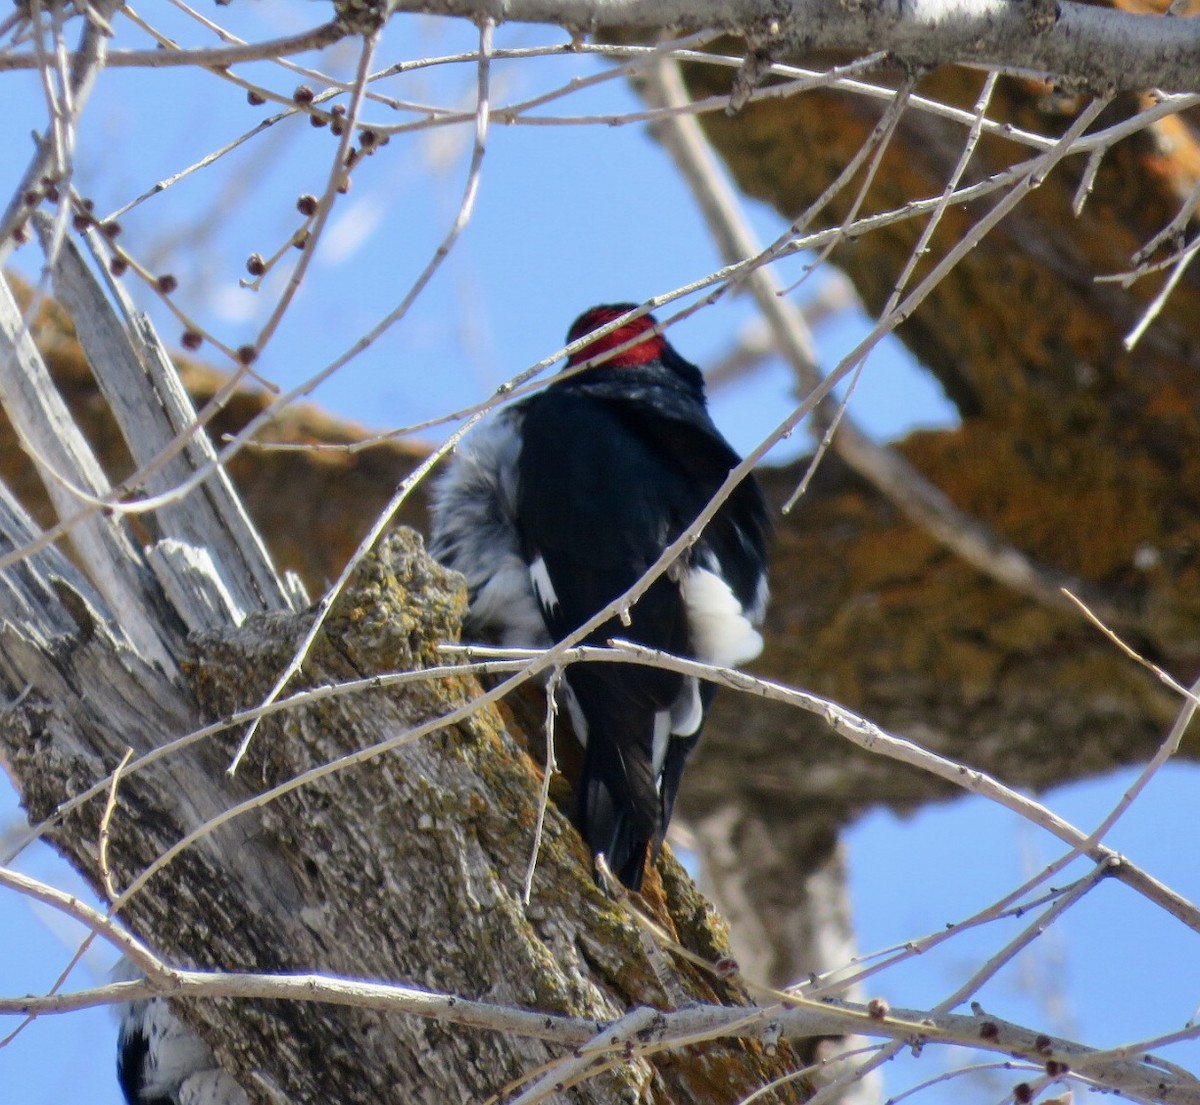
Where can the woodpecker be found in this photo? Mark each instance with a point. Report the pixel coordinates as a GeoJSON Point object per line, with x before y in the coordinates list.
{"type": "Point", "coordinates": [161, 1062]}
{"type": "Point", "coordinates": [556, 506]}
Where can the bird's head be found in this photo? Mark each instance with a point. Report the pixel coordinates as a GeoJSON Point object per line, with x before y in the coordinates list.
{"type": "Point", "coordinates": [651, 349]}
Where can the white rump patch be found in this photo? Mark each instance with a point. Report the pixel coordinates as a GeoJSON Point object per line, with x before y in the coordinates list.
{"type": "Point", "coordinates": [721, 632]}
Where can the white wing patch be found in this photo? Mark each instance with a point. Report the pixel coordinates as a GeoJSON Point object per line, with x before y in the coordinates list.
{"type": "Point", "coordinates": [543, 588]}
{"type": "Point", "coordinates": [687, 714]}
{"type": "Point", "coordinates": [722, 634]}
{"type": "Point", "coordinates": [662, 739]}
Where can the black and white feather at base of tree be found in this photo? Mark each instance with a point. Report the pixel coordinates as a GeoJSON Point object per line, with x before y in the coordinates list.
{"type": "Point", "coordinates": [558, 505]}
{"type": "Point", "coordinates": [160, 1061]}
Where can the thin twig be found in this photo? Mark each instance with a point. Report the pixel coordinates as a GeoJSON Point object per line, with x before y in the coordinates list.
{"type": "Point", "coordinates": [1166, 749]}
{"type": "Point", "coordinates": [823, 985]}
{"type": "Point", "coordinates": [547, 773]}
{"type": "Point", "coordinates": [924, 504]}
{"type": "Point", "coordinates": [1185, 258]}
{"type": "Point", "coordinates": [338, 172]}
{"type": "Point", "coordinates": [1026, 936]}
{"type": "Point", "coordinates": [1164, 677]}
{"type": "Point", "coordinates": [92, 919]}
{"type": "Point", "coordinates": [85, 67]}
{"type": "Point", "coordinates": [211, 57]}
{"type": "Point", "coordinates": [109, 809]}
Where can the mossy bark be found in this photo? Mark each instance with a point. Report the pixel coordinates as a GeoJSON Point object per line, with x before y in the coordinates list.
{"type": "Point", "coordinates": [407, 867]}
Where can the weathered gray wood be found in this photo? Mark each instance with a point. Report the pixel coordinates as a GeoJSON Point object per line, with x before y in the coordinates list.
{"type": "Point", "coordinates": [35, 599]}
{"type": "Point", "coordinates": [159, 424]}
{"type": "Point", "coordinates": [193, 585]}
{"type": "Point", "coordinates": [86, 682]}
{"type": "Point", "coordinates": [53, 441]}
{"type": "Point", "coordinates": [297, 593]}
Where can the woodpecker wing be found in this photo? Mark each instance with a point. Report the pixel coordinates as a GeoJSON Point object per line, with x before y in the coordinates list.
{"type": "Point", "coordinates": [597, 504]}
{"type": "Point", "coordinates": [663, 403]}
{"type": "Point", "coordinates": [737, 534]}
{"type": "Point", "coordinates": [606, 481]}
{"type": "Point", "coordinates": [734, 542]}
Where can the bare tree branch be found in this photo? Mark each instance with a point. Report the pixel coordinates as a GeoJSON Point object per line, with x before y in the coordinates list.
{"type": "Point", "coordinates": [1101, 47]}
{"type": "Point", "coordinates": [645, 1030]}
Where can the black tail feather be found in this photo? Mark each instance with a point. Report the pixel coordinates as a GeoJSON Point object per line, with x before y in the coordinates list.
{"type": "Point", "coordinates": [606, 823]}
{"type": "Point", "coordinates": [618, 808]}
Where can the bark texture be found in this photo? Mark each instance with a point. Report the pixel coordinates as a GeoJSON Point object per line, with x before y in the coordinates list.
{"type": "Point", "coordinates": [407, 867]}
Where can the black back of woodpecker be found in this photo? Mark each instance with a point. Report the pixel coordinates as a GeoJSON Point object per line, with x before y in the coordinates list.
{"type": "Point", "coordinates": [558, 506]}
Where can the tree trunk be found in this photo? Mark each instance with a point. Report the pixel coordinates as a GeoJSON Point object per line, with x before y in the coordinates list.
{"type": "Point", "coordinates": [402, 861]}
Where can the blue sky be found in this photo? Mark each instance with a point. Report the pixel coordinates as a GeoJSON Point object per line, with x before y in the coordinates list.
{"type": "Point", "coordinates": [566, 217]}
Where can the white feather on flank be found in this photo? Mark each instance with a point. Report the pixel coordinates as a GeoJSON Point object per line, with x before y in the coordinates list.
{"type": "Point", "coordinates": [762, 595]}
{"type": "Point", "coordinates": [721, 632]}
{"type": "Point", "coordinates": [475, 533]}
{"type": "Point", "coordinates": [687, 714]}
{"type": "Point", "coordinates": [507, 606]}
{"type": "Point", "coordinates": [579, 724]}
